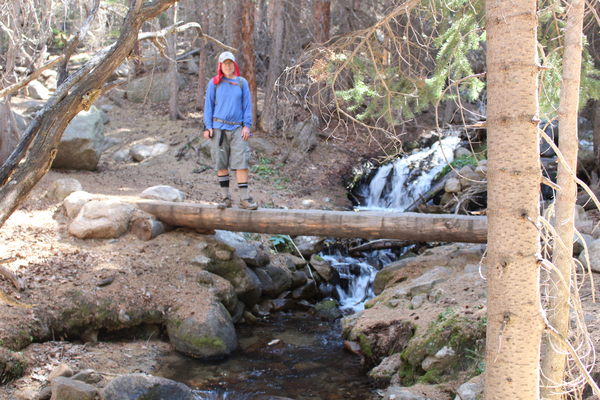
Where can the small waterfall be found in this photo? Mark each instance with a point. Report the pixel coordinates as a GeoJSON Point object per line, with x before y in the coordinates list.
{"type": "Point", "coordinates": [355, 284]}
{"type": "Point", "coordinates": [397, 184]}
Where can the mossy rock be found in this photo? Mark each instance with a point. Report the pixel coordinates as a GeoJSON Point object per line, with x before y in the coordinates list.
{"type": "Point", "coordinates": [465, 336]}
{"type": "Point", "coordinates": [328, 309]}
{"type": "Point", "coordinates": [382, 339]}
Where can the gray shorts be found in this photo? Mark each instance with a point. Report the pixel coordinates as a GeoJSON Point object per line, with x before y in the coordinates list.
{"type": "Point", "coordinates": [233, 153]}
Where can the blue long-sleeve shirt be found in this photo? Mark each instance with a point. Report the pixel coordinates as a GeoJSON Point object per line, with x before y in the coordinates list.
{"type": "Point", "coordinates": [231, 101]}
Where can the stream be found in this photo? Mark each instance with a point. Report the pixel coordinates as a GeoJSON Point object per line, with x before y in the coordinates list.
{"type": "Point", "coordinates": [297, 356]}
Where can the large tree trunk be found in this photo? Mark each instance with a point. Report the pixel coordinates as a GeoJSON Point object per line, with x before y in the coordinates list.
{"type": "Point", "coordinates": [34, 154]}
{"type": "Point", "coordinates": [204, 46]}
{"type": "Point", "coordinates": [368, 224]}
{"type": "Point", "coordinates": [321, 20]}
{"type": "Point", "coordinates": [277, 22]}
{"type": "Point", "coordinates": [248, 51]}
{"type": "Point", "coordinates": [554, 360]}
{"type": "Point", "coordinates": [233, 27]}
{"type": "Point", "coordinates": [514, 323]}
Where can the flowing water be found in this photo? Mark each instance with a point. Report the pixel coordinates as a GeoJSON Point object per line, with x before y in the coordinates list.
{"type": "Point", "coordinates": [298, 357]}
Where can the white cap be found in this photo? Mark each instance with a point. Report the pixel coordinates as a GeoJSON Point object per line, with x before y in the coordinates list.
{"type": "Point", "coordinates": [226, 55]}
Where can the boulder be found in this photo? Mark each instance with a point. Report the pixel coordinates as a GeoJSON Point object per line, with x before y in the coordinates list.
{"type": "Point", "coordinates": [424, 283]}
{"type": "Point", "coordinates": [461, 152]}
{"type": "Point", "coordinates": [88, 376]}
{"type": "Point", "coordinates": [328, 309]}
{"type": "Point", "coordinates": [309, 245]}
{"type": "Point", "coordinates": [388, 367]}
{"type": "Point", "coordinates": [452, 185]}
{"type": "Point", "coordinates": [308, 291]}
{"type": "Point", "coordinates": [122, 155]}
{"type": "Point", "coordinates": [82, 142]}
{"type": "Point", "coordinates": [253, 254]}
{"type": "Point", "coordinates": [323, 267]}
{"type": "Point", "coordinates": [231, 267]}
{"type": "Point", "coordinates": [37, 90]}
{"type": "Point", "coordinates": [280, 277]}
{"type": "Point", "coordinates": [141, 152]}
{"type": "Point", "coordinates": [75, 201]}
{"type": "Point", "coordinates": [142, 386]}
{"type": "Point", "coordinates": [261, 145]}
{"type": "Point", "coordinates": [69, 389]}
{"type": "Point", "coordinates": [202, 330]}
{"type": "Point", "coordinates": [102, 219]}
{"type": "Point", "coordinates": [221, 288]}
{"type": "Point", "coordinates": [164, 193]}
{"type": "Point", "coordinates": [151, 87]}
{"type": "Point", "coordinates": [60, 370]}
{"type": "Point", "coordinates": [593, 253]}
{"type": "Point", "coordinates": [471, 390]}
{"type": "Point", "coordinates": [578, 246]}
{"type": "Point", "coordinates": [61, 188]}
{"type": "Point", "coordinates": [467, 176]}
{"type": "Point", "coordinates": [305, 134]}
{"type": "Point", "coordinates": [402, 393]}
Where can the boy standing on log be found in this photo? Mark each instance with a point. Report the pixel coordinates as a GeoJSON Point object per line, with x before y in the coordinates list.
{"type": "Point", "coordinates": [227, 121]}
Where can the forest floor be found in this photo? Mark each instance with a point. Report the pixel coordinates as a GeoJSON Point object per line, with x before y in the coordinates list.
{"type": "Point", "coordinates": [47, 257]}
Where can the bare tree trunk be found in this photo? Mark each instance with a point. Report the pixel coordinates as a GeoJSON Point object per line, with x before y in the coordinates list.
{"type": "Point", "coordinates": [596, 127]}
{"type": "Point", "coordinates": [514, 323]}
{"type": "Point", "coordinates": [249, 71]}
{"type": "Point", "coordinates": [321, 20]}
{"type": "Point", "coordinates": [277, 22]}
{"type": "Point", "coordinates": [202, 16]}
{"type": "Point", "coordinates": [172, 74]}
{"type": "Point", "coordinates": [233, 27]}
{"type": "Point", "coordinates": [38, 145]}
{"type": "Point", "coordinates": [554, 360]}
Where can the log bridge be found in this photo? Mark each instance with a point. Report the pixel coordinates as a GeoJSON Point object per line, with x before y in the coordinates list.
{"type": "Point", "coordinates": [348, 224]}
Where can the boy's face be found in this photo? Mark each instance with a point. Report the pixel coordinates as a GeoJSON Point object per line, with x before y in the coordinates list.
{"type": "Point", "coordinates": [228, 67]}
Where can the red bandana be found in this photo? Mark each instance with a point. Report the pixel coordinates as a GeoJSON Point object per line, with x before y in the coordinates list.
{"type": "Point", "coordinates": [217, 78]}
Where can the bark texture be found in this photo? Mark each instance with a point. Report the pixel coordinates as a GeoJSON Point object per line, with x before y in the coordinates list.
{"type": "Point", "coordinates": [321, 20]}
{"type": "Point", "coordinates": [32, 158]}
{"type": "Point", "coordinates": [554, 360]}
{"type": "Point", "coordinates": [404, 226]}
{"type": "Point", "coordinates": [514, 323]}
{"type": "Point", "coordinates": [277, 27]}
{"type": "Point", "coordinates": [248, 51]}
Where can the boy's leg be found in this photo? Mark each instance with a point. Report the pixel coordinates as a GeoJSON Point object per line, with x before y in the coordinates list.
{"type": "Point", "coordinates": [239, 157]}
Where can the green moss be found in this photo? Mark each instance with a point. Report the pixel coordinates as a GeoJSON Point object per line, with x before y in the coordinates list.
{"type": "Point", "coordinates": [208, 342]}
{"type": "Point", "coordinates": [365, 346]}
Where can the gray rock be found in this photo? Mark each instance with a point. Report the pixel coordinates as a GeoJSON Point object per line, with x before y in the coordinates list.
{"type": "Point", "coordinates": [424, 283]}
{"type": "Point", "coordinates": [201, 261]}
{"type": "Point", "coordinates": [440, 357]}
{"type": "Point", "coordinates": [60, 370]}
{"type": "Point", "coordinates": [142, 386]}
{"type": "Point", "coordinates": [452, 185]}
{"type": "Point", "coordinates": [471, 390]}
{"type": "Point", "coordinates": [164, 193]}
{"type": "Point", "coordinates": [82, 142]}
{"type": "Point", "coordinates": [307, 291]}
{"type": "Point", "coordinates": [323, 268]}
{"type": "Point", "coordinates": [261, 145]}
{"type": "Point", "coordinates": [21, 120]}
{"type": "Point", "coordinates": [88, 376]}
{"type": "Point", "coordinates": [102, 219]}
{"type": "Point", "coordinates": [61, 188]}
{"type": "Point", "coordinates": [38, 91]}
{"type": "Point", "coordinates": [141, 152]}
{"type": "Point", "coordinates": [467, 176]}
{"type": "Point", "coordinates": [252, 253]}
{"type": "Point", "coordinates": [461, 152]}
{"type": "Point", "coordinates": [122, 155]}
{"type": "Point", "coordinates": [299, 278]}
{"type": "Point", "coordinates": [593, 253]}
{"type": "Point", "coordinates": [205, 332]}
{"type": "Point", "coordinates": [402, 393]}
{"type": "Point", "coordinates": [328, 309]}
{"type": "Point", "coordinates": [309, 245]}
{"type": "Point", "coordinates": [578, 243]}
{"type": "Point", "coordinates": [305, 135]}
{"type": "Point", "coordinates": [418, 301]}
{"type": "Point", "coordinates": [387, 368]}
{"type": "Point", "coordinates": [151, 87]}
{"type": "Point", "coordinates": [220, 287]}
{"type": "Point", "coordinates": [75, 201]}
{"type": "Point", "coordinates": [69, 389]}
{"type": "Point", "coordinates": [281, 278]}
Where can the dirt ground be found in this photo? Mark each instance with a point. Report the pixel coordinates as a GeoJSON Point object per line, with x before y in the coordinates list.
{"type": "Point", "coordinates": [51, 261]}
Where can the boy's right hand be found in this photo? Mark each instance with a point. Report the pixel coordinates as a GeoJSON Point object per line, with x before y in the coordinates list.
{"type": "Point", "coordinates": [208, 134]}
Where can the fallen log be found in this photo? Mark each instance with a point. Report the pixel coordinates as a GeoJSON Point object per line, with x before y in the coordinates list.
{"type": "Point", "coordinates": [379, 244]}
{"type": "Point", "coordinates": [364, 224]}
{"type": "Point", "coordinates": [147, 227]}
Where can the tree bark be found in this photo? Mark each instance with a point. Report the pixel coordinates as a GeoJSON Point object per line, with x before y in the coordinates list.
{"type": "Point", "coordinates": [554, 359]}
{"type": "Point", "coordinates": [233, 28]}
{"type": "Point", "coordinates": [38, 145]}
{"type": "Point", "coordinates": [514, 323]}
{"type": "Point", "coordinates": [277, 23]}
{"type": "Point", "coordinates": [368, 224]}
{"type": "Point", "coordinates": [202, 16]}
{"type": "Point", "coordinates": [172, 68]}
{"type": "Point", "coordinates": [596, 133]}
{"type": "Point", "coordinates": [321, 20]}
{"type": "Point", "coordinates": [9, 132]}
{"type": "Point", "coordinates": [248, 56]}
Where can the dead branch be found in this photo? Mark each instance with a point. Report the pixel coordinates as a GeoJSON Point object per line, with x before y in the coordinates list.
{"type": "Point", "coordinates": [10, 276]}
{"type": "Point", "coordinates": [62, 69]}
{"type": "Point", "coordinates": [14, 88]}
{"type": "Point", "coordinates": [179, 27]}
{"type": "Point", "coordinates": [39, 143]}
{"type": "Point", "coordinates": [379, 245]}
